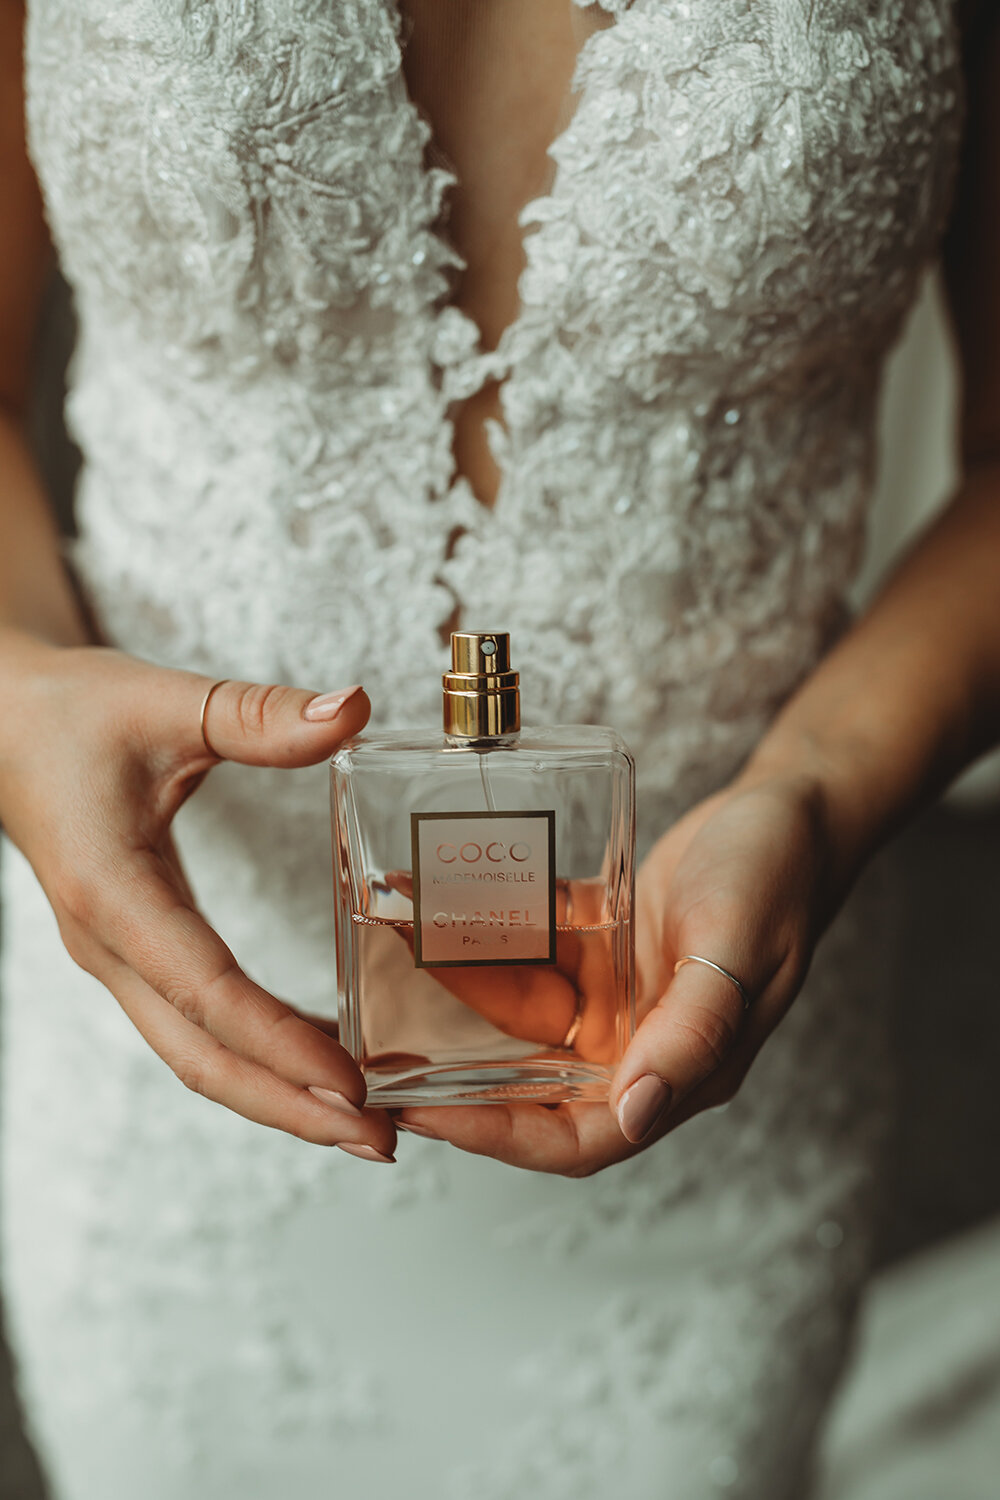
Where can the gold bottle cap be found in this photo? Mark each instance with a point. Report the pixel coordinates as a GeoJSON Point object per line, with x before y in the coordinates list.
{"type": "Point", "coordinates": [481, 693]}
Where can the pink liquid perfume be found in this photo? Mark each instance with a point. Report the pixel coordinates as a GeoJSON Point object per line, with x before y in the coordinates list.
{"type": "Point", "coordinates": [484, 881]}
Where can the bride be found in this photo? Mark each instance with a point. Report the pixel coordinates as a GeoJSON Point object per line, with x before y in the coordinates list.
{"type": "Point", "coordinates": [361, 360]}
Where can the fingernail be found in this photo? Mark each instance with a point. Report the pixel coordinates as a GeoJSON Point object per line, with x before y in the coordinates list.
{"type": "Point", "coordinates": [339, 1101]}
{"type": "Point", "coordinates": [417, 1130]}
{"type": "Point", "coordinates": [368, 1152]}
{"type": "Point", "coordinates": [641, 1105]}
{"type": "Point", "coordinates": [328, 705]}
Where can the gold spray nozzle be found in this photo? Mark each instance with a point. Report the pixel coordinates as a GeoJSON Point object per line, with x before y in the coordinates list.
{"type": "Point", "coordinates": [481, 694]}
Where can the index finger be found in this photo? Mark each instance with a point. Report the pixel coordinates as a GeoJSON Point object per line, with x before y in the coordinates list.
{"type": "Point", "coordinates": [146, 920]}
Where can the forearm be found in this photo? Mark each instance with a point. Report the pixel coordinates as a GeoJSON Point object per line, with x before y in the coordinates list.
{"type": "Point", "coordinates": [911, 694]}
{"type": "Point", "coordinates": [37, 597]}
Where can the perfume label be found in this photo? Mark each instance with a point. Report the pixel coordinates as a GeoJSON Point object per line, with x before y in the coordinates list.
{"type": "Point", "coordinates": [484, 888]}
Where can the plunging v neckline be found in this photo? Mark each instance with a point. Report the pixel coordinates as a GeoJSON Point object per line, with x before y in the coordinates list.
{"type": "Point", "coordinates": [496, 363]}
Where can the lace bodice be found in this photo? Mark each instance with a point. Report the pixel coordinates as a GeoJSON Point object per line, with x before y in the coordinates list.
{"type": "Point", "coordinates": [263, 389]}
{"type": "Point", "coordinates": [742, 204]}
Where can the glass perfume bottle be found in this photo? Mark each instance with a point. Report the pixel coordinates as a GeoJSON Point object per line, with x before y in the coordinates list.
{"type": "Point", "coordinates": [484, 884]}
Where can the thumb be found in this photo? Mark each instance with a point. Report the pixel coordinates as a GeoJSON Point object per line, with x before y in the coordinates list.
{"type": "Point", "coordinates": [690, 1034]}
{"type": "Point", "coordinates": [273, 725]}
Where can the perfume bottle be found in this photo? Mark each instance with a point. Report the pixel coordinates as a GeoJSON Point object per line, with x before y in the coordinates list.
{"type": "Point", "coordinates": [484, 884]}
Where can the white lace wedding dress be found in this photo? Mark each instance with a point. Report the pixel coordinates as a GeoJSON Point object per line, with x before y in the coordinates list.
{"type": "Point", "coordinates": [264, 388]}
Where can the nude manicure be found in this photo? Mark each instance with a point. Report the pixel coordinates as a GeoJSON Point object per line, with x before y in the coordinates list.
{"type": "Point", "coordinates": [417, 1130]}
{"type": "Point", "coordinates": [641, 1106]}
{"type": "Point", "coordinates": [328, 705]}
{"type": "Point", "coordinates": [368, 1152]}
{"type": "Point", "coordinates": [339, 1101]}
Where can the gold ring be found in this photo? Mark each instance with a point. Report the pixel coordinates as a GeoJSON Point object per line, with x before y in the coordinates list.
{"type": "Point", "coordinates": [204, 708]}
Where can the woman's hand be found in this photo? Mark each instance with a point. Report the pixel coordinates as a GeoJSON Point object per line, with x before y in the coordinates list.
{"type": "Point", "coordinates": [749, 878]}
{"type": "Point", "coordinates": [98, 750]}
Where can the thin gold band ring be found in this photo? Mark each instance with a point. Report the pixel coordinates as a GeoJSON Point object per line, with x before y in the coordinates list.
{"type": "Point", "coordinates": [204, 709]}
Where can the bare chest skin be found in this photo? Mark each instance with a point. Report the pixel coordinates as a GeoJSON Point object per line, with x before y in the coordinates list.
{"type": "Point", "coordinates": [492, 79]}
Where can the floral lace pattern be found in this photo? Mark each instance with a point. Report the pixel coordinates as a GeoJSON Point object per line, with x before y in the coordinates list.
{"type": "Point", "coordinates": [741, 208]}
{"type": "Point", "coordinates": [744, 200]}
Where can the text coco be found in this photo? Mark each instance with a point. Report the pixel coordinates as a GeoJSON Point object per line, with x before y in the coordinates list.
{"type": "Point", "coordinates": [471, 853]}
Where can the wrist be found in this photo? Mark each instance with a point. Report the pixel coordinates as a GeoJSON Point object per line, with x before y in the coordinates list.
{"type": "Point", "coordinates": [837, 781]}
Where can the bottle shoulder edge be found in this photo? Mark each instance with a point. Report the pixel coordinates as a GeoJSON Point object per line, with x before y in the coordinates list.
{"type": "Point", "coordinates": [531, 739]}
